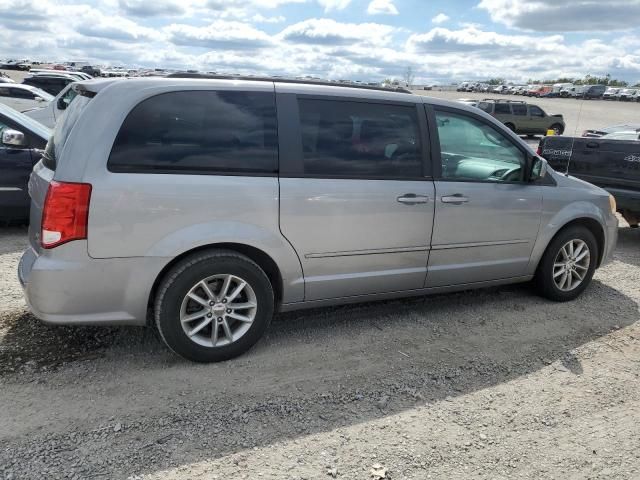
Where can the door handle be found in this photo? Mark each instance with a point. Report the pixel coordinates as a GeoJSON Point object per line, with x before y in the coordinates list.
{"type": "Point", "coordinates": [593, 145]}
{"type": "Point", "coordinates": [412, 199]}
{"type": "Point", "coordinates": [456, 199]}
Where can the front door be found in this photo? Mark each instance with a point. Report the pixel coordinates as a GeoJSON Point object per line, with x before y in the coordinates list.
{"type": "Point", "coordinates": [486, 217]}
{"type": "Point", "coordinates": [15, 167]}
{"type": "Point", "coordinates": [538, 122]}
{"type": "Point", "coordinates": [356, 199]}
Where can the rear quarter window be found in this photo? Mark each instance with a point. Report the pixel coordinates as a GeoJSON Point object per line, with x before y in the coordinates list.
{"type": "Point", "coordinates": [519, 109]}
{"type": "Point", "coordinates": [223, 132]}
{"type": "Point", "coordinates": [486, 106]}
{"type": "Point", "coordinates": [504, 108]}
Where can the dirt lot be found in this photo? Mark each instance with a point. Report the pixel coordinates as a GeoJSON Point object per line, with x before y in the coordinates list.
{"type": "Point", "coordinates": [493, 384]}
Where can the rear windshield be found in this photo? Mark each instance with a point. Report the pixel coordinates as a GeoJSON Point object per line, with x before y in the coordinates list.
{"type": "Point", "coordinates": [62, 130]}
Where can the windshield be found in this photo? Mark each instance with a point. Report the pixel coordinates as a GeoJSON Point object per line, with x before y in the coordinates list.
{"type": "Point", "coordinates": [41, 93]}
{"type": "Point", "coordinates": [622, 136]}
{"type": "Point", "coordinates": [28, 122]}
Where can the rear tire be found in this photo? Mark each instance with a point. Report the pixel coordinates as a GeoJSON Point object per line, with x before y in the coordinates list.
{"type": "Point", "coordinates": [557, 128]}
{"type": "Point", "coordinates": [556, 266]}
{"type": "Point", "coordinates": [217, 325]}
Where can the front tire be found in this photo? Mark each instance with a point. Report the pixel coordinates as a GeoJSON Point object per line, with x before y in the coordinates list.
{"type": "Point", "coordinates": [557, 129]}
{"type": "Point", "coordinates": [213, 306]}
{"type": "Point", "coordinates": [568, 265]}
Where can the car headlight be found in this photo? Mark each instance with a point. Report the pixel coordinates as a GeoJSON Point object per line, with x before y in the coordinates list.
{"type": "Point", "coordinates": [612, 204]}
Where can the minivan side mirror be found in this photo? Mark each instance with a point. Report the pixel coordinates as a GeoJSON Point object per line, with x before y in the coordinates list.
{"type": "Point", "coordinates": [62, 103]}
{"type": "Point", "coordinates": [13, 138]}
{"type": "Point", "coordinates": [538, 169]}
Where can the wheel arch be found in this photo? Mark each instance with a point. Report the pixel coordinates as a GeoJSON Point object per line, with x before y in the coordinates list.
{"type": "Point", "coordinates": [590, 224]}
{"type": "Point", "coordinates": [261, 258]}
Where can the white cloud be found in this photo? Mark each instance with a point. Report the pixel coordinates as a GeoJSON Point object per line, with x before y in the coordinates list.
{"type": "Point", "coordinates": [330, 5]}
{"type": "Point", "coordinates": [145, 8]}
{"type": "Point", "coordinates": [324, 31]}
{"type": "Point", "coordinates": [564, 15]}
{"type": "Point", "coordinates": [259, 18]}
{"type": "Point", "coordinates": [472, 39]}
{"type": "Point", "coordinates": [219, 34]}
{"type": "Point", "coordinates": [251, 36]}
{"type": "Point", "coordinates": [440, 18]}
{"type": "Point", "coordinates": [382, 7]}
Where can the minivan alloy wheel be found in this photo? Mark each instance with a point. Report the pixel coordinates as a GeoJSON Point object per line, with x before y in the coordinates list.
{"type": "Point", "coordinates": [218, 310]}
{"type": "Point", "coordinates": [571, 265]}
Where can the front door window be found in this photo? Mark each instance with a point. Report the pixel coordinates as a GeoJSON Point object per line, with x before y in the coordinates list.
{"type": "Point", "coordinates": [475, 151]}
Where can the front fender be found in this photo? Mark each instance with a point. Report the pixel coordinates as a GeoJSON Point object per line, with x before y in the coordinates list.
{"type": "Point", "coordinates": [275, 246]}
{"type": "Point", "coordinates": [555, 217]}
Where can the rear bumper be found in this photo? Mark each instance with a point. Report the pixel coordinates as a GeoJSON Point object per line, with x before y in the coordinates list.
{"type": "Point", "coordinates": [65, 286]}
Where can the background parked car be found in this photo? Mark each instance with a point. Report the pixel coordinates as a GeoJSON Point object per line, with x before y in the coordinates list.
{"type": "Point", "coordinates": [532, 90]}
{"type": "Point", "coordinates": [523, 118]}
{"type": "Point", "coordinates": [15, 65]}
{"type": "Point", "coordinates": [91, 70]}
{"type": "Point", "coordinates": [541, 91]}
{"type": "Point", "coordinates": [624, 135]}
{"type": "Point", "coordinates": [592, 92]}
{"type": "Point", "coordinates": [47, 71]}
{"type": "Point", "coordinates": [626, 94]}
{"type": "Point", "coordinates": [51, 83]}
{"type": "Point", "coordinates": [21, 140]}
{"type": "Point", "coordinates": [599, 132]}
{"type": "Point", "coordinates": [48, 114]}
{"type": "Point", "coordinates": [610, 162]}
{"type": "Point", "coordinates": [610, 93]}
{"type": "Point", "coordinates": [23, 97]}
{"type": "Point", "coordinates": [557, 88]}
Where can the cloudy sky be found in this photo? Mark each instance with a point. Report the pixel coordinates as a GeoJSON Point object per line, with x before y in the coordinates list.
{"type": "Point", "coordinates": [442, 40]}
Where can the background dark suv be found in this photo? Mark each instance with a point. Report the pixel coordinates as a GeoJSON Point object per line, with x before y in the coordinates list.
{"type": "Point", "coordinates": [52, 84]}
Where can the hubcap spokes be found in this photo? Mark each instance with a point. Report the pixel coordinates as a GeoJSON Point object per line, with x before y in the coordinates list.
{"type": "Point", "coordinates": [218, 310]}
{"type": "Point", "coordinates": [571, 265]}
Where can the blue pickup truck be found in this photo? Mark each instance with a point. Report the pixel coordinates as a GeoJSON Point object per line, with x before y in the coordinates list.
{"type": "Point", "coordinates": [21, 141]}
{"type": "Point", "coordinates": [610, 161]}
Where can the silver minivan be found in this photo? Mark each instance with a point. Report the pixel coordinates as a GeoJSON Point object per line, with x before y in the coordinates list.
{"type": "Point", "coordinates": [203, 206]}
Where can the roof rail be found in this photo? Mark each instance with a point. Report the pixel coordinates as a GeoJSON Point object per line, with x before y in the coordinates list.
{"type": "Point", "coordinates": [286, 80]}
{"type": "Point", "coordinates": [502, 100]}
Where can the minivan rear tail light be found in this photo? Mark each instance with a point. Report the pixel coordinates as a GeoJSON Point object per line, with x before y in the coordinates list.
{"type": "Point", "coordinates": [65, 214]}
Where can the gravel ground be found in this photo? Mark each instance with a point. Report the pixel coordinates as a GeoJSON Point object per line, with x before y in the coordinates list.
{"type": "Point", "coordinates": [495, 384]}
